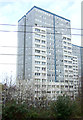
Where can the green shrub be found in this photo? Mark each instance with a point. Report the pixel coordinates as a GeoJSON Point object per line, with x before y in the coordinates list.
{"type": "Point", "coordinates": [44, 113]}
{"type": "Point", "coordinates": [32, 113]}
{"type": "Point", "coordinates": [63, 108]}
{"type": "Point", "coordinates": [14, 111]}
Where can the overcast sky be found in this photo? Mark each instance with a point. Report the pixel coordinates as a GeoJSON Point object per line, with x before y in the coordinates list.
{"type": "Point", "coordinates": [12, 10]}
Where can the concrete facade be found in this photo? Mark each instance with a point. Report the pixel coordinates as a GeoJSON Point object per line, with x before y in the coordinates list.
{"type": "Point", "coordinates": [46, 52]}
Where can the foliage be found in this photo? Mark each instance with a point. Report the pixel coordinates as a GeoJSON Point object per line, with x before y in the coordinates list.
{"type": "Point", "coordinates": [19, 104]}
{"type": "Point", "coordinates": [13, 111]}
{"type": "Point", "coordinates": [64, 108]}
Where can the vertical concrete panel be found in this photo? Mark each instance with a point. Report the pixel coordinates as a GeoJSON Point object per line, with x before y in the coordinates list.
{"type": "Point", "coordinates": [82, 57]}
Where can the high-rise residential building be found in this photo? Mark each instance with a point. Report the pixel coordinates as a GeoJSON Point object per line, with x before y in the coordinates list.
{"type": "Point", "coordinates": [82, 39]}
{"type": "Point", "coordinates": [76, 51]}
{"type": "Point", "coordinates": [82, 56]}
{"type": "Point", "coordinates": [45, 52]}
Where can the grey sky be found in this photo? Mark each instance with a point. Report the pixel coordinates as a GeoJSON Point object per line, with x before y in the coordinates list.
{"type": "Point", "coordinates": [12, 10]}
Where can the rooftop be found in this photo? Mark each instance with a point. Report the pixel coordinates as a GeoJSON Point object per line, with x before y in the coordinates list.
{"type": "Point", "coordinates": [44, 11]}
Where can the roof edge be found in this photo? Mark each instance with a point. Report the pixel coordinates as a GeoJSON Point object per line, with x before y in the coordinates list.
{"type": "Point", "coordinates": [31, 9]}
{"type": "Point", "coordinates": [21, 18]}
{"type": "Point", "coordinates": [50, 13]}
{"type": "Point", "coordinates": [76, 45]}
{"type": "Point", "coordinates": [44, 11]}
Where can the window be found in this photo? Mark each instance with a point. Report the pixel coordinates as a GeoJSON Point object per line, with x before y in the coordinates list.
{"type": "Point", "coordinates": [62, 86]}
{"type": "Point", "coordinates": [66, 86]}
{"type": "Point", "coordinates": [37, 68]}
{"type": "Point", "coordinates": [43, 41]}
{"type": "Point", "coordinates": [69, 57]}
{"type": "Point", "coordinates": [43, 46]}
{"type": "Point", "coordinates": [37, 35]}
{"type": "Point", "coordinates": [43, 63]}
{"type": "Point", "coordinates": [74, 57]}
{"type": "Point", "coordinates": [65, 51]}
{"type": "Point", "coordinates": [70, 71]}
{"type": "Point", "coordinates": [43, 80]}
{"type": "Point", "coordinates": [57, 86]}
{"type": "Point", "coordinates": [37, 91]}
{"type": "Point", "coordinates": [70, 86]}
{"type": "Point", "coordinates": [37, 56]}
{"type": "Point", "coordinates": [43, 36]}
{"type": "Point", "coordinates": [69, 61]}
{"type": "Point", "coordinates": [65, 47]}
{"type": "Point", "coordinates": [43, 68]}
{"type": "Point", "coordinates": [70, 76]}
{"type": "Point", "coordinates": [64, 38]}
{"type": "Point", "coordinates": [68, 39]}
{"type": "Point", "coordinates": [49, 86]}
{"type": "Point", "coordinates": [37, 80]}
{"type": "Point", "coordinates": [69, 48]}
{"type": "Point", "coordinates": [36, 29]}
{"type": "Point", "coordinates": [65, 61]}
{"type": "Point", "coordinates": [43, 51]}
{"type": "Point", "coordinates": [37, 40]}
{"type": "Point", "coordinates": [65, 56]}
{"type": "Point", "coordinates": [36, 45]}
{"type": "Point", "coordinates": [37, 62]}
{"type": "Point", "coordinates": [69, 43]}
{"type": "Point", "coordinates": [37, 51]}
{"type": "Point", "coordinates": [43, 31]}
{"type": "Point", "coordinates": [43, 92]}
{"type": "Point", "coordinates": [64, 42]}
{"type": "Point", "coordinates": [65, 66]}
{"type": "Point", "coordinates": [70, 66]}
{"type": "Point", "coordinates": [38, 86]}
{"type": "Point", "coordinates": [35, 24]}
{"type": "Point", "coordinates": [69, 52]}
{"type": "Point", "coordinates": [53, 85]}
{"type": "Point", "coordinates": [66, 81]}
{"type": "Point", "coordinates": [43, 85]}
{"type": "Point", "coordinates": [66, 75]}
{"type": "Point", "coordinates": [48, 91]}
{"type": "Point", "coordinates": [37, 74]}
{"type": "Point", "coordinates": [43, 57]}
{"type": "Point", "coordinates": [43, 74]}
